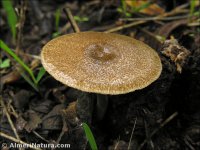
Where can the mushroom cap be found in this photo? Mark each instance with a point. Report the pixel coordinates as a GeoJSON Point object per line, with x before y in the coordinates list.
{"type": "Point", "coordinates": [104, 63]}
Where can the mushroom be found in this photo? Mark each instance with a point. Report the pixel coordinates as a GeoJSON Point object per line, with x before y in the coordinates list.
{"type": "Point", "coordinates": [100, 64]}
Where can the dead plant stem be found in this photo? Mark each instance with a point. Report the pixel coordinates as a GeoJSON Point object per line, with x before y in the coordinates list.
{"type": "Point", "coordinates": [71, 20]}
{"type": "Point", "coordinates": [9, 119]}
{"type": "Point", "coordinates": [129, 144]}
{"type": "Point", "coordinates": [174, 11]}
{"type": "Point", "coordinates": [22, 17]}
{"type": "Point", "coordinates": [156, 130]}
{"type": "Point", "coordinates": [17, 140]}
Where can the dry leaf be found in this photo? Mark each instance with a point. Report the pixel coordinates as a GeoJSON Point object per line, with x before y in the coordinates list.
{"type": "Point", "coordinates": [33, 122]}
{"type": "Point", "coordinates": [145, 7]}
{"type": "Point", "coordinates": [70, 114]}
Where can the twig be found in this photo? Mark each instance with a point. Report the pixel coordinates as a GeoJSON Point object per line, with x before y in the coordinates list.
{"type": "Point", "coordinates": [129, 144]}
{"type": "Point", "coordinates": [39, 136]}
{"type": "Point", "coordinates": [149, 142]}
{"type": "Point", "coordinates": [155, 18]}
{"type": "Point", "coordinates": [64, 130]}
{"type": "Point", "coordinates": [21, 53]}
{"type": "Point", "coordinates": [152, 35]}
{"type": "Point", "coordinates": [174, 11]}
{"type": "Point", "coordinates": [125, 26]}
{"type": "Point", "coordinates": [11, 108]}
{"type": "Point", "coordinates": [156, 130]}
{"type": "Point", "coordinates": [16, 115]}
{"type": "Point", "coordinates": [18, 141]}
{"type": "Point", "coordinates": [194, 24]}
{"type": "Point", "coordinates": [188, 144]}
{"type": "Point", "coordinates": [179, 9]}
{"type": "Point", "coordinates": [64, 28]}
{"type": "Point", "coordinates": [116, 145]}
{"type": "Point", "coordinates": [22, 16]}
{"type": "Point", "coordinates": [71, 20]}
{"type": "Point", "coordinates": [9, 119]}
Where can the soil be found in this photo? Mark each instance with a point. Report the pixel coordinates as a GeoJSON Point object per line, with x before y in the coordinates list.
{"type": "Point", "coordinates": [162, 116]}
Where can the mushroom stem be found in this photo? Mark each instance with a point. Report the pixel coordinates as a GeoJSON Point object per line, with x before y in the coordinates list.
{"type": "Point", "coordinates": [101, 106]}
{"type": "Point", "coordinates": [85, 106]}
{"type": "Point", "coordinates": [90, 103]}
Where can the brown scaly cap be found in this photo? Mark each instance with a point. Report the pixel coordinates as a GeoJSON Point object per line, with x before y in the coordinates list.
{"type": "Point", "coordinates": [103, 63]}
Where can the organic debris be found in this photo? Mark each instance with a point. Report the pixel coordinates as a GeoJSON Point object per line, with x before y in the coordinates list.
{"type": "Point", "coordinates": [35, 108]}
{"type": "Point", "coordinates": [178, 54]}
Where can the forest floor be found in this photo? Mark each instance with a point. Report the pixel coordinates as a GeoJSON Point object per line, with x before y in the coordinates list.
{"type": "Point", "coordinates": [163, 116]}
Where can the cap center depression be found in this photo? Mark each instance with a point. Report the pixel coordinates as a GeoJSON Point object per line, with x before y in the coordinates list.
{"type": "Point", "coordinates": [101, 52]}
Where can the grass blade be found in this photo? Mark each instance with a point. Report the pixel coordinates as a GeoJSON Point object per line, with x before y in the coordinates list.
{"type": "Point", "coordinates": [41, 73]}
{"type": "Point", "coordinates": [11, 16]}
{"type": "Point", "coordinates": [90, 136]}
{"type": "Point", "coordinates": [124, 6]}
{"type": "Point", "coordinates": [5, 63]}
{"type": "Point", "coordinates": [57, 18]}
{"type": "Point", "coordinates": [192, 7]}
{"type": "Point", "coordinates": [10, 52]}
{"type": "Point", "coordinates": [28, 80]}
